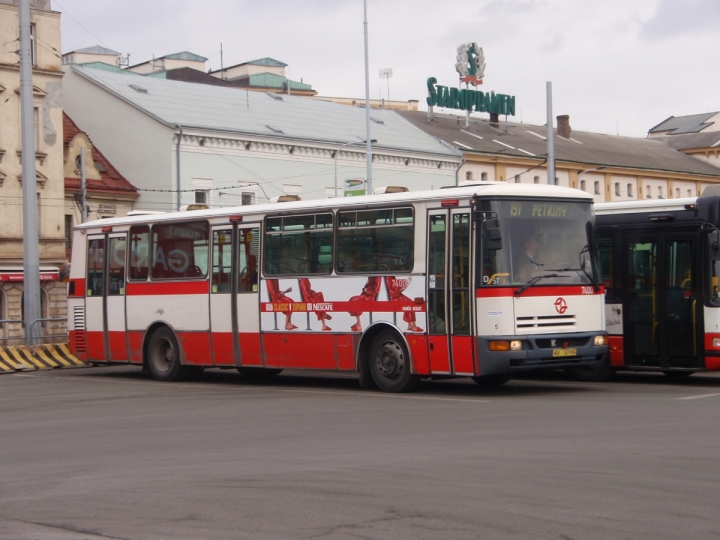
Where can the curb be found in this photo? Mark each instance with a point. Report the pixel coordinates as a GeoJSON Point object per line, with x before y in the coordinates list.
{"type": "Point", "coordinates": [23, 358]}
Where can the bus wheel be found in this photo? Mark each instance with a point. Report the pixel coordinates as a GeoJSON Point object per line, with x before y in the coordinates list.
{"type": "Point", "coordinates": [258, 374]}
{"type": "Point", "coordinates": [603, 372]}
{"type": "Point", "coordinates": [164, 357]}
{"type": "Point", "coordinates": [678, 375]}
{"type": "Point", "coordinates": [390, 364]}
{"type": "Point", "coordinates": [491, 381]}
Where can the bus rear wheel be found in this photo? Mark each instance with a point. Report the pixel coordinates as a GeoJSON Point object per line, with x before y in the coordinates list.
{"type": "Point", "coordinates": [164, 357]}
{"type": "Point", "coordinates": [389, 364]}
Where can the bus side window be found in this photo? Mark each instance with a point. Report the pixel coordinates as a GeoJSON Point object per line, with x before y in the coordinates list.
{"type": "Point", "coordinates": [139, 252]}
{"type": "Point", "coordinates": [180, 250]}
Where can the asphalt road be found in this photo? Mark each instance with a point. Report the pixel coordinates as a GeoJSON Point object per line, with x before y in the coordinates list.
{"type": "Point", "coordinates": [110, 453]}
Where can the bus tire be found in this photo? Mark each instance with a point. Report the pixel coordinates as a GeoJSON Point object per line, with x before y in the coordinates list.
{"type": "Point", "coordinates": [389, 363]}
{"type": "Point", "coordinates": [492, 381]}
{"type": "Point", "coordinates": [602, 373]}
{"type": "Point", "coordinates": [258, 374]}
{"type": "Point", "coordinates": [164, 356]}
{"type": "Point", "coordinates": [678, 375]}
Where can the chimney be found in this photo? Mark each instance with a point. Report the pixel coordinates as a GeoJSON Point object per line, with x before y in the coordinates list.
{"type": "Point", "coordinates": [563, 126]}
{"type": "Point", "coordinates": [495, 120]}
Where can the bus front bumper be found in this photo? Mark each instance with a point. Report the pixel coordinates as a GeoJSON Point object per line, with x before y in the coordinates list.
{"type": "Point", "coordinates": [539, 352]}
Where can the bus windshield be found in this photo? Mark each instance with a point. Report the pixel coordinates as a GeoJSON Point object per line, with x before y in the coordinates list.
{"type": "Point", "coordinates": [544, 242]}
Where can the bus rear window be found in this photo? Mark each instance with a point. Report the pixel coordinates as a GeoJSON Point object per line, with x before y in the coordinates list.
{"type": "Point", "coordinates": [180, 250]}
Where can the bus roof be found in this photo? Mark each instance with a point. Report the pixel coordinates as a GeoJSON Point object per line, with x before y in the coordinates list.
{"type": "Point", "coordinates": [486, 189]}
{"type": "Point", "coordinates": [649, 205]}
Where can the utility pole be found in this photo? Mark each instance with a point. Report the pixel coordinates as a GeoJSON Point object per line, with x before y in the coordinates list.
{"type": "Point", "coordinates": [550, 138]}
{"type": "Point", "coordinates": [31, 254]}
{"type": "Point", "coordinates": [368, 151]}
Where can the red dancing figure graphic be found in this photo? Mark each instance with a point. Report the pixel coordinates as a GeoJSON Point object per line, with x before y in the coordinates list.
{"type": "Point", "coordinates": [311, 296]}
{"type": "Point", "coordinates": [395, 289]}
{"type": "Point", "coordinates": [368, 294]}
{"type": "Point", "coordinates": [276, 295]}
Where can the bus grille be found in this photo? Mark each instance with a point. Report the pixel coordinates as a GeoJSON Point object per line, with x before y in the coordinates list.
{"type": "Point", "coordinates": [79, 325]}
{"type": "Point", "coordinates": [546, 321]}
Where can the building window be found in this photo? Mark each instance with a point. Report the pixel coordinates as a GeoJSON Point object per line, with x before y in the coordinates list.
{"type": "Point", "coordinates": [468, 175]}
{"type": "Point", "coordinates": [536, 179]}
{"type": "Point", "coordinates": [617, 189]}
{"type": "Point", "coordinates": [36, 120]}
{"type": "Point", "coordinates": [483, 177]}
{"type": "Point", "coordinates": [68, 232]}
{"type": "Point", "coordinates": [33, 47]}
{"type": "Point", "coordinates": [689, 192]}
{"type": "Point", "coordinates": [660, 195]}
{"type": "Point", "coordinates": [597, 187]}
{"type": "Point", "coordinates": [648, 192]}
{"type": "Point", "coordinates": [582, 185]}
{"type": "Point", "coordinates": [201, 196]}
{"type": "Point", "coordinates": [248, 198]}
{"type": "Point", "coordinates": [677, 193]}
{"type": "Point", "coordinates": [629, 190]}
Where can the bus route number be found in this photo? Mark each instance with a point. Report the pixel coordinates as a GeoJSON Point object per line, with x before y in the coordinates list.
{"type": "Point", "coordinates": [587, 290]}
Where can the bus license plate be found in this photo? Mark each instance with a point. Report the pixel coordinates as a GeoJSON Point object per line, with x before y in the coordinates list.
{"type": "Point", "coordinates": [564, 352]}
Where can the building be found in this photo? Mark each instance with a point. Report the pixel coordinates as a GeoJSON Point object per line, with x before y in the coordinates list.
{"type": "Point", "coordinates": [107, 192]}
{"type": "Point", "coordinates": [612, 168]}
{"type": "Point", "coordinates": [263, 75]}
{"type": "Point", "coordinates": [697, 135]}
{"type": "Point", "coordinates": [194, 142]}
{"type": "Point", "coordinates": [92, 54]}
{"type": "Point", "coordinates": [47, 97]}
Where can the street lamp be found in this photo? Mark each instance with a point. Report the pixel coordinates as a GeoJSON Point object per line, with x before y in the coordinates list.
{"type": "Point", "coordinates": [337, 153]}
{"type": "Point", "coordinates": [590, 170]}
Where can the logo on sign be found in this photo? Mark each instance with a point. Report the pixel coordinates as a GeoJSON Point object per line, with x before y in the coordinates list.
{"type": "Point", "coordinates": [560, 305]}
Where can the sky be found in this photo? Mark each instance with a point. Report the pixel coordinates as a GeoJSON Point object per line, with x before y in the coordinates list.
{"type": "Point", "coordinates": [616, 66]}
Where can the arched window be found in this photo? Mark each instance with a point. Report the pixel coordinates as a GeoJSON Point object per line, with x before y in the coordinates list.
{"type": "Point", "coordinates": [582, 185]}
{"type": "Point", "coordinates": [536, 179]}
{"type": "Point", "coordinates": [468, 175]}
{"type": "Point", "coordinates": [483, 177]}
{"type": "Point", "coordinates": [660, 195]}
{"type": "Point", "coordinates": [617, 188]}
{"type": "Point", "coordinates": [629, 190]}
{"type": "Point", "coordinates": [597, 187]}
{"type": "Point", "coordinates": [648, 192]}
{"type": "Point", "coordinates": [677, 192]}
{"type": "Point", "coordinates": [689, 192]}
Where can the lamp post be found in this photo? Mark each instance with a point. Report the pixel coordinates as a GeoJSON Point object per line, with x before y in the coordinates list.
{"type": "Point", "coordinates": [590, 170]}
{"type": "Point", "coordinates": [337, 153]}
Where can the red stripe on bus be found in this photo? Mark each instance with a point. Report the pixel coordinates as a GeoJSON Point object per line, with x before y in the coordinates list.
{"type": "Point", "coordinates": [561, 290]}
{"type": "Point", "coordinates": [617, 357]}
{"type": "Point", "coordinates": [152, 288]}
{"type": "Point", "coordinates": [136, 346]}
{"type": "Point", "coordinates": [196, 346]}
{"type": "Point", "coordinates": [712, 363]}
{"type": "Point", "coordinates": [78, 286]}
{"type": "Point", "coordinates": [96, 346]}
{"type": "Point", "coordinates": [311, 351]}
{"type": "Point", "coordinates": [118, 346]}
{"type": "Point", "coordinates": [223, 348]}
{"type": "Point", "coordinates": [419, 352]}
{"type": "Point", "coordinates": [439, 354]}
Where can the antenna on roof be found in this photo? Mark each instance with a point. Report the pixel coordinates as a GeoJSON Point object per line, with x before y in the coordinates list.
{"type": "Point", "coordinates": [222, 67]}
{"type": "Point", "coordinates": [123, 61]}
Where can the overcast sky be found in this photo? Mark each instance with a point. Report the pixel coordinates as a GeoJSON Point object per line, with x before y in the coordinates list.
{"type": "Point", "coordinates": [617, 66]}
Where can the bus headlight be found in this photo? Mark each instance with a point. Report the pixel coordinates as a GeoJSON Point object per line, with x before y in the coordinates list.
{"type": "Point", "coordinates": [515, 345]}
{"type": "Point", "coordinates": [600, 340]}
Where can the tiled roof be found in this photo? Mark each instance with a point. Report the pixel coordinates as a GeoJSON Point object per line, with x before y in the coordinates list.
{"type": "Point", "coordinates": [110, 179]}
{"type": "Point", "coordinates": [585, 148]}
{"type": "Point", "coordinates": [675, 125]}
{"type": "Point", "coordinates": [217, 108]}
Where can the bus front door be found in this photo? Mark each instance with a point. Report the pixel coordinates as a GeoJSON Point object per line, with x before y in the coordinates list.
{"type": "Point", "coordinates": [449, 293]}
{"type": "Point", "coordinates": [105, 298]}
{"type": "Point", "coordinates": [663, 306]}
{"type": "Point", "coordinates": [234, 296]}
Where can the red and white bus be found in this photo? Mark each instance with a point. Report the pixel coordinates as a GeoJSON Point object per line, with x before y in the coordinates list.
{"type": "Point", "coordinates": [397, 287]}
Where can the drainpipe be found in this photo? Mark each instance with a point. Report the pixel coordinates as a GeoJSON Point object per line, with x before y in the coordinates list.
{"type": "Point", "coordinates": [177, 155]}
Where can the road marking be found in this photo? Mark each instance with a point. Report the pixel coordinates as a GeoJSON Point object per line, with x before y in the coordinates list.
{"type": "Point", "coordinates": [701, 396]}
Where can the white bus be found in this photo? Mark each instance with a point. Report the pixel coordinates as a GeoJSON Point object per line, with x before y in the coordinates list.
{"type": "Point", "coordinates": [478, 281]}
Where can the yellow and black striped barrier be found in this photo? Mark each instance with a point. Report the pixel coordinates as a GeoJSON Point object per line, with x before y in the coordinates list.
{"type": "Point", "coordinates": [38, 357]}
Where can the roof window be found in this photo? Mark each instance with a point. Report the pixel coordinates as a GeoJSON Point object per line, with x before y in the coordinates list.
{"type": "Point", "coordinates": [138, 88]}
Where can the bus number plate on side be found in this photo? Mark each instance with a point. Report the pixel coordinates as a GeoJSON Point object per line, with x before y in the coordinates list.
{"type": "Point", "coordinates": [564, 352]}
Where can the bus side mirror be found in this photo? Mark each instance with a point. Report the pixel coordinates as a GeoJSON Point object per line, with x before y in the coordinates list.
{"type": "Point", "coordinates": [493, 237]}
{"type": "Point", "coordinates": [714, 243]}
{"type": "Point", "coordinates": [708, 208]}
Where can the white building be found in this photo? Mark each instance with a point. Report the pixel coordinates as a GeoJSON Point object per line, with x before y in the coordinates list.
{"type": "Point", "coordinates": [233, 146]}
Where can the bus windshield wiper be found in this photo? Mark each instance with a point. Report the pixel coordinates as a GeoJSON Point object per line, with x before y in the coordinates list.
{"type": "Point", "coordinates": [534, 280]}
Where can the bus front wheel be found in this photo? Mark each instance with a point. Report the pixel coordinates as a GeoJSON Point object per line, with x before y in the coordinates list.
{"type": "Point", "coordinates": [164, 357]}
{"type": "Point", "coordinates": [389, 364]}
